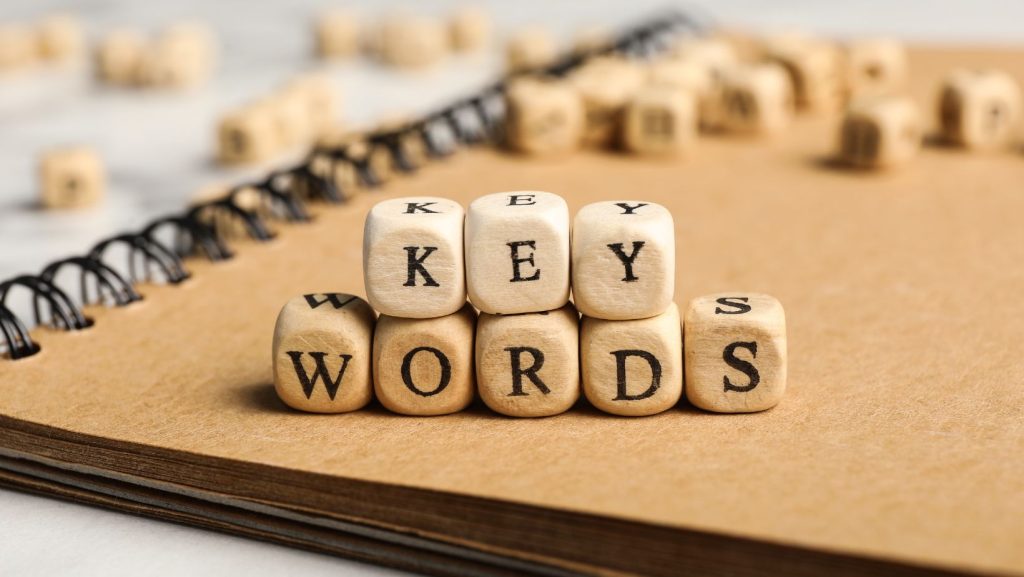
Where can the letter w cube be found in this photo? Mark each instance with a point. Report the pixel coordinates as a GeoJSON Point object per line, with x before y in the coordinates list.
{"type": "Point", "coordinates": [413, 257]}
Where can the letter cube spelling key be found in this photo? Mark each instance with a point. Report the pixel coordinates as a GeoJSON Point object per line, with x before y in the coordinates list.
{"type": "Point", "coordinates": [623, 259]}
{"type": "Point", "coordinates": [322, 353]}
{"type": "Point", "coordinates": [413, 263]}
{"type": "Point", "coordinates": [735, 352]}
{"type": "Point", "coordinates": [528, 365]}
{"type": "Point", "coordinates": [425, 366]}
{"type": "Point", "coordinates": [756, 98]}
{"type": "Point", "coordinates": [544, 117]}
{"type": "Point", "coordinates": [517, 252]}
{"type": "Point", "coordinates": [880, 132]}
{"type": "Point", "coordinates": [71, 178]}
{"type": "Point", "coordinates": [979, 109]}
{"type": "Point", "coordinates": [660, 120]}
{"type": "Point", "coordinates": [633, 368]}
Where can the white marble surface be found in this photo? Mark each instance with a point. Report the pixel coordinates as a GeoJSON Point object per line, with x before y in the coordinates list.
{"type": "Point", "coordinates": [158, 149]}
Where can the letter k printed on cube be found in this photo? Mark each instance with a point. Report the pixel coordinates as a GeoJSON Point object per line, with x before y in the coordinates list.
{"type": "Point", "coordinates": [413, 257]}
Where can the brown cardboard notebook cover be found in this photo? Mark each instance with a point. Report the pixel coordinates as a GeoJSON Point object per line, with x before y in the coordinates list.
{"type": "Point", "coordinates": [897, 449]}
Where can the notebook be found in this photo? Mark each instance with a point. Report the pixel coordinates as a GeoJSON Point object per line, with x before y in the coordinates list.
{"type": "Point", "coordinates": [896, 451]}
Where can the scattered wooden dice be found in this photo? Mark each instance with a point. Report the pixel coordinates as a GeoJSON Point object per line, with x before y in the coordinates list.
{"type": "Point", "coordinates": [606, 86]}
{"type": "Point", "coordinates": [336, 34]}
{"type": "Point", "coordinates": [469, 29]}
{"type": "Point", "coordinates": [735, 359]}
{"type": "Point", "coordinates": [530, 48]}
{"type": "Point", "coordinates": [181, 56]}
{"type": "Point", "coordinates": [660, 120]}
{"type": "Point", "coordinates": [322, 353]}
{"type": "Point", "coordinates": [875, 66]}
{"type": "Point", "coordinates": [59, 37]}
{"type": "Point", "coordinates": [756, 98]}
{"type": "Point", "coordinates": [71, 178]}
{"type": "Point", "coordinates": [880, 132]}
{"type": "Point", "coordinates": [544, 118]}
{"type": "Point", "coordinates": [813, 68]}
{"type": "Point", "coordinates": [413, 262]}
{"type": "Point", "coordinates": [517, 252]}
{"type": "Point", "coordinates": [425, 366]}
{"type": "Point", "coordinates": [527, 365]}
{"type": "Point", "coordinates": [979, 109]}
{"type": "Point", "coordinates": [118, 56]}
{"type": "Point", "coordinates": [412, 42]}
{"type": "Point", "coordinates": [247, 135]}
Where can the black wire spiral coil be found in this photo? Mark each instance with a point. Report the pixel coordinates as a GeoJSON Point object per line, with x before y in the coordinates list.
{"type": "Point", "coordinates": [203, 229]}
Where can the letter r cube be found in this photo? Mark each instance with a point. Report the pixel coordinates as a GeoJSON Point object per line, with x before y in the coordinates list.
{"type": "Point", "coordinates": [413, 257]}
{"type": "Point", "coordinates": [623, 259]}
{"type": "Point", "coordinates": [517, 252]}
{"type": "Point", "coordinates": [735, 352]}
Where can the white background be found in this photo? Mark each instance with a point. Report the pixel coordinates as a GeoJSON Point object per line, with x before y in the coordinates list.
{"type": "Point", "coordinates": [158, 149]}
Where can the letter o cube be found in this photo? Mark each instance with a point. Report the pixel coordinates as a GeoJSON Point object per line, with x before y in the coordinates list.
{"type": "Point", "coordinates": [735, 352]}
{"type": "Point", "coordinates": [623, 259]}
{"type": "Point", "coordinates": [633, 368]}
{"type": "Point", "coordinates": [413, 263]}
{"type": "Point", "coordinates": [322, 354]}
{"type": "Point", "coordinates": [517, 252]}
{"type": "Point", "coordinates": [425, 366]}
{"type": "Point", "coordinates": [71, 178]}
{"type": "Point", "coordinates": [979, 109]}
{"type": "Point", "coordinates": [880, 132]}
{"type": "Point", "coordinates": [528, 365]}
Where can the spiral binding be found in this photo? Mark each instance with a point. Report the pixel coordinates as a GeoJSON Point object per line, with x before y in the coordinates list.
{"type": "Point", "coordinates": [283, 196]}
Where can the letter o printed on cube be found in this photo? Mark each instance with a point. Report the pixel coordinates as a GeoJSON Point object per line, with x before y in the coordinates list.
{"type": "Point", "coordinates": [413, 257]}
{"type": "Point", "coordinates": [735, 352]}
{"type": "Point", "coordinates": [623, 259]}
{"type": "Point", "coordinates": [517, 252]}
{"type": "Point", "coordinates": [633, 368]}
{"type": "Point", "coordinates": [322, 353]}
{"type": "Point", "coordinates": [425, 366]}
{"type": "Point", "coordinates": [528, 365]}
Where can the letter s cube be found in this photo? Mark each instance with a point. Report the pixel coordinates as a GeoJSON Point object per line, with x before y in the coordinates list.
{"type": "Point", "coordinates": [321, 353]}
{"type": "Point", "coordinates": [735, 352]}
{"type": "Point", "coordinates": [413, 257]}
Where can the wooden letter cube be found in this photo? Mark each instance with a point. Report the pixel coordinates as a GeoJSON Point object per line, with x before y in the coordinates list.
{"type": "Point", "coordinates": [412, 42]}
{"type": "Point", "coordinates": [247, 135]}
{"type": "Point", "coordinates": [17, 46]}
{"type": "Point", "coordinates": [623, 259]}
{"type": "Point", "coordinates": [756, 98]}
{"type": "Point", "coordinates": [71, 178]}
{"type": "Point", "coordinates": [181, 57]}
{"type": "Point", "coordinates": [660, 120]}
{"type": "Point", "coordinates": [517, 252]}
{"type": "Point", "coordinates": [735, 352]}
{"type": "Point", "coordinates": [880, 132]}
{"type": "Point", "coordinates": [528, 365]}
{"type": "Point", "coordinates": [530, 48]}
{"type": "Point", "coordinates": [322, 353]}
{"type": "Point", "coordinates": [337, 34]}
{"type": "Point", "coordinates": [606, 86]}
{"type": "Point", "coordinates": [875, 66]}
{"type": "Point", "coordinates": [118, 57]}
{"type": "Point", "coordinates": [470, 29]}
{"type": "Point", "coordinates": [544, 118]}
{"type": "Point", "coordinates": [413, 257]}
{"type": "Point", "coordinates": [633, 368]}
{"type": "Point", "coordinates": [979, 109]}
{"type": "Point", "coordinates": [813, 69]}
{"type": "Point", "coordinates": [59, 37]}
{"type": "Point", "coordinates": [425, 366]}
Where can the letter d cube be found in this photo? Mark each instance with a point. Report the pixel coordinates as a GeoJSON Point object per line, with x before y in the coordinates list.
{"type": "Point", "coordinates": [322, 353]}
{"type": "Point", "coordinates": [413, 257]}
{"type": "Point", "coordinates": [735, 352]}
